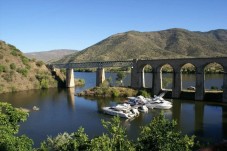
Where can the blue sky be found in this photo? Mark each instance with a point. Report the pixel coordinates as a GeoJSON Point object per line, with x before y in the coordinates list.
{"type": "Point", "coordinates": [41, 25]}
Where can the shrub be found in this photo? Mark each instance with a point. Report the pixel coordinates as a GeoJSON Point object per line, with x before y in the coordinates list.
{"type": "Point", "coordinates": [160, 135]}
{"type": "Point", "coordinates": [22, 71]}
{"type": "Point", "coordinates": [2, 68]}
{"type": "Point", "coordinates": [115, 93]}
{"type": "Point", "coordinates": [9, 121]}
{"type": "Point", "coordinates": [12, 66]}
{"type": "Point", "coordinates": [143, 93]}
{"type": "Point", "coordinates": [39, 63]}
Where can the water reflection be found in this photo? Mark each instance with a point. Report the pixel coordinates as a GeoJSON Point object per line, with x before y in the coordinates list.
{"type": "Point", "coordinates": [71, 98]}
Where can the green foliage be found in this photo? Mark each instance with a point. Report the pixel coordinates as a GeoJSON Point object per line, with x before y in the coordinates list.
{"type": "Point", "coordinates": [115, 93]}
{"type": "Point", "coordinates": [2, 68]}
{"type": "Point", "coordinates": [9, 125]}
{"type": "Point", "coordinates": [40, 63]}
{"type": "Point", "coordinates": [12, 66]}
{"type": "Point", "coordinates": [22, 71]}
{"type": "Point", "coordinates": [105, 84]}
{"type": "Point", "coordinates": [44, 80]}
{"type": "Point", "coordinates": [120, 75]}
{"type": "Point", "coordinates": [117, 136]}
{"type": "Point", "coordinates": [214, 88]}
{"type": "Point", "coordinates": [66, 142]}
{"type": "Point", "coordinates": [160, 135]}
{"type": "Point", "coordinates": [143, 93]}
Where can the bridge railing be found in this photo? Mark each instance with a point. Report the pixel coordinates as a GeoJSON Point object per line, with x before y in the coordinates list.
{"type": "Point", "coordinates": [101, 64]}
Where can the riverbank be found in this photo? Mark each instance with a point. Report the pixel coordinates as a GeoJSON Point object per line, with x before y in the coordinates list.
{"type": "Point", "coordinates": [108, 92]}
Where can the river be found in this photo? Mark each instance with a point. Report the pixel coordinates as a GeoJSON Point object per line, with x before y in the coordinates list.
{"type": "Point", "coordinates": [61, 111]}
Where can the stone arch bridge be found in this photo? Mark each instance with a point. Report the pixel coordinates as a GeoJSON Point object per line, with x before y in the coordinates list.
{"type": "Point", "coordinates": [137, 73]}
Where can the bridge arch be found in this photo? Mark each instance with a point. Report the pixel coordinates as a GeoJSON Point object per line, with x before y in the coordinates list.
{"type": "Point", "coordinates": [209, 70]}
{"type": "Point", "coordinates": [188, 69]}
{"type": "Point", "coordinates": [147, 76]}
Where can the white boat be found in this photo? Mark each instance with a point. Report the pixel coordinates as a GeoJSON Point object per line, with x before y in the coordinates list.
{"type": "Point", "coordinates": [159, 105]}
{"type": "Point", "coordinates": [123, 106]}
{"type": "Point", "coordinates": [35, 108]}
{"type": "Point", "coordinates": [136, 100]}
{"type": "Point", "coordinates": [121, 113]}
{"type": "Point", "coordinates": [143, 108]}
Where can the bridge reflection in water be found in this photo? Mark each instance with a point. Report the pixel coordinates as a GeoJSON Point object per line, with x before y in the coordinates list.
{"type": "Point", "coordinates": [137, 73]}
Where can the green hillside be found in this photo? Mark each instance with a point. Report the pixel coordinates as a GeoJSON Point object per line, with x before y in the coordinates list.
{"type": "Point", "coordinates": [18, 73]}
{"type": "Point", "coordinates": [171, 43]}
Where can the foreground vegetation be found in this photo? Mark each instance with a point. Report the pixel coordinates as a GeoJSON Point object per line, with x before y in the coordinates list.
{"type": "Point", "coordinates": [158, 135]}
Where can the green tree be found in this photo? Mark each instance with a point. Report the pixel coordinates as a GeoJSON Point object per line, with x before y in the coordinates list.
{"type": "Point", "coordinates": [66, 142]}
{"type": "Point", "coordinates": [9, 126]}
{"type": "Point", "coordinates": [160, 135]}
{"type": "Point", "coordinates": [118, 140]}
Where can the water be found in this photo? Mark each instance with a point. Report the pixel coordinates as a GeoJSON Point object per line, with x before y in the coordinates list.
{"type": "Point", "coordinates": [61, 111]}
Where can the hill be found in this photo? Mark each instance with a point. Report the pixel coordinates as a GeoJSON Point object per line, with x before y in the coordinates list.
{"type": "Point", "coordinates": [171, 43]}
{"type": "Point", "coordinates": [50, 56]}
{"type": "Point", "coordinates": [19, 73]}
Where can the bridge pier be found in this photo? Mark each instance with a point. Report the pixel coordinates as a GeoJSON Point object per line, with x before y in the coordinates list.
{"type": "Point", "coordinates": [157, 82]}
{"type": "Point", "coordinates": [135, 75]}
{"type": "Point", "coordinates": [199, 92]}
{"type": "Point", "coordinates": [70, 81]}
{"type": "Point", "coordinates": [100, 76]}
{"type": "Point", "coordinates": [177, 84]}
{"type": "Point", "coordinates": [224, 94]}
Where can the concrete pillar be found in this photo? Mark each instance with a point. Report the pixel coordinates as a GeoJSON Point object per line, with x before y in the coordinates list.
{"type": "Point", "coordinates": [177, 84]}
{"type": "Point", "coordinates": [143, 79]}
{"type": "Point", "coordinates": [70, 81]}
{"type": "Point", "coordinates": [224, 95]}
{"type": "Point", "coordinates": [135, 76]}
{"type": "Point", "coordinates": [100, 76]}
{"type": "Point", "coordinates": [157, 81]}
{"type": "Point", "coordinates": [199, 92]}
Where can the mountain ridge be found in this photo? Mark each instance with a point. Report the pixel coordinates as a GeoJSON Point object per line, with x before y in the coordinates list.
{"type": "Point", "coordinates": [164, 44]}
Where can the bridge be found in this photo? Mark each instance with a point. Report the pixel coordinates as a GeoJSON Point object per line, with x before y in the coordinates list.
{"type": "Point", "coordinates": [137, 73]}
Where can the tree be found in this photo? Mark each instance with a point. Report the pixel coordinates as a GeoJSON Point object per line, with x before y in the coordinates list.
{"type": "Point", "coordinates": [10, 118]}
{"type": "Point", "coordinates": [160, 135]}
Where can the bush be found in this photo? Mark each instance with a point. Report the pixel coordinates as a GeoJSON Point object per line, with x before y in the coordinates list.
{"type": "Point", "coordinates": [39, 63]}
{"type": "Point", "coordinates": [12, 66]}
{"type": "Point", "coordinates": [160, 135]}
{"type": "Point", "coordinates": [22, 71]}
{"type": "Point", "coordinates": [115, 93]}
{"type": "Point", "coordinates": [143, 93]}
{"type": "Point", "coordinates": [9, 121]}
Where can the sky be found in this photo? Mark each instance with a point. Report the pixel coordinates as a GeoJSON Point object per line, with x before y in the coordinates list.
{"type": "Point", "coordinates": [42, 25]}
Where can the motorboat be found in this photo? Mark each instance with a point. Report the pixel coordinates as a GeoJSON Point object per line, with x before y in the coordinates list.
{"type": "Point", "coordinates": [35, 108]}
{"type": "Point", "coordinates": [121, 113]}
{"type": "Point", "coordinates": [139, 100]}
{"type": "Point", "coordinates": [123, 106]}
{"type": "Point", "coordinates": [159, 105]}
{"type": "Point", "coordinates": [143, 108]}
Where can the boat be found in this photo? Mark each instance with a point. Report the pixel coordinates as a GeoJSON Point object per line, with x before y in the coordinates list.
{"type": "Point", "coordinates": [35, 108]}
{"type": "Point", "coordinates": [159, 105]}
{"type": "Point", "coordinates": [143, 108]}
{"type": "Point", "coordinates": [139, 100]}
{"type": "Point", "coordinates": [125, 113]}
{"type": "Point", "coordinates": [123, 106]}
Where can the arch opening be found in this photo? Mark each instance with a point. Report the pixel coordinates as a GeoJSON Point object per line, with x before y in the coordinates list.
{"type": "Point", "coordinates": [188, 71]}
{"type": "Point", "coordinates": [213, 77]}
{"type": "Point", "coordinates": [167, 76]}
{"type": "Point", "coordinates": [147, 76]}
